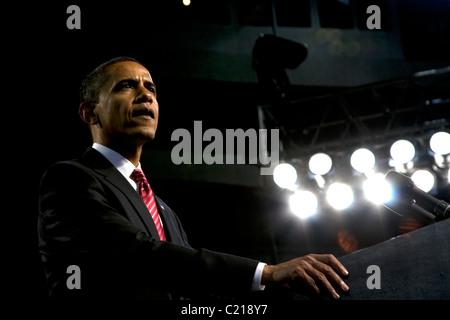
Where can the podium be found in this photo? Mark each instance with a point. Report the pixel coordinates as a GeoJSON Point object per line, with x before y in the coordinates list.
{"type": "Point", "coordinates": [414, 266]}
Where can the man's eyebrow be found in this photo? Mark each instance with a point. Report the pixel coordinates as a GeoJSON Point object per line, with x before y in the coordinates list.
{"type": "Point", "coordinates": [131, 80]}
{"type": "Point", "coordinates": [147, 83]}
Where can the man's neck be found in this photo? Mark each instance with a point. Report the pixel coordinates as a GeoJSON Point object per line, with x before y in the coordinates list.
{"type": "Point", "coordinates": [129, 151]}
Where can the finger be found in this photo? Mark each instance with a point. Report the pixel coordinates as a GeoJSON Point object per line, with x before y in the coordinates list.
{"type": "Point", "coordinates": [331, 260]}
{"type": "Point", "coordinates": [310, 284]}
{"type": "Point", "coordinates": [332, 276]}
{"type": "Point", "coordinates": [320, 278]}
{"type": "Point", "coordinates": [302, 279]}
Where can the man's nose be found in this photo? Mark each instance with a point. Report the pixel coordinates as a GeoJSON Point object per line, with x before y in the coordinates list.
{"type": "Point", "coordinates": [144, 95]}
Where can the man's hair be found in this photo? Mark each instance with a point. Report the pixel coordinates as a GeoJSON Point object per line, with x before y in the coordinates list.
{"type": "Point", "coordinates": [94, 81]}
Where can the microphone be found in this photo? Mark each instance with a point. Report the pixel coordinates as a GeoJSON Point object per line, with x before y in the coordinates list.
{"type": "Point", "coordinates": [407, 196]}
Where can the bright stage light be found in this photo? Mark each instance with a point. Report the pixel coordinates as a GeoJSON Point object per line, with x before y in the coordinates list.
{"type": "Point", "coordinates": [320, 181]}
{"type": "Point", "coordinates": [423, 179]}
{"type": "Point", "coordinates": [340, 196]}
{"type": "Point", "coordinates": [440, 143]}
{"type": "Point", "coordinates": [362, 160]}
{"type": "Point", "coordinates": [303, 203]}
{"type": "Point", "coordinates": [402, 151]}
{"type": "Point", "coordinates": [440, 160]}
{"type": "Point", "coordinates": [320, 164]}
{"type": "Point", "coordinates": [376, 189]}
{"type": "Point", "coordinates": [285, 176]}
{"type": "Point", "coordinates": [186, 2]}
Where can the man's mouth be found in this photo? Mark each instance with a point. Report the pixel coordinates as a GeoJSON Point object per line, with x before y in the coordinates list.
{"type": "Point", "coordinates": [143, 112]}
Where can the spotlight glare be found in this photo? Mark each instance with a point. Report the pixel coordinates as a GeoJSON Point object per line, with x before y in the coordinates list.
{"type": "Point", "coordinates": [440, 143]}
{"type": "Point", "coordinates": [439, 160]}
{"type": "Point", "coordinates": [303, 203]}
{"type": "Point", "coordinates": [340, 196]}
{"type": "Point", "coordinates": [362, 160]}
{"type": "Point", "coordinates": [423, 179]}
{"type": "Point", "coordinates": [320, 181]}
{"type": "Point", "coordinates": [402, 151]}
{"type": "Point", "coordinates": [320, 164]}
{"type": "Point", "coordinates": [186, 2]}
{"type": "Point", "coordinates": [376, 189]}
{"type": "Point", "coordinates": [285, 176]}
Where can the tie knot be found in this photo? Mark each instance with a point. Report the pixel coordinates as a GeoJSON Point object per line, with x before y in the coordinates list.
{"type": "Point", "coordinates": [138, 176]}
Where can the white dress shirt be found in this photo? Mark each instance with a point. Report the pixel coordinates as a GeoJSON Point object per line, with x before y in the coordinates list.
{"type": "Point", "coordinates": [122, 164]}
{"type": "Point", "coordinates": [125, 167]}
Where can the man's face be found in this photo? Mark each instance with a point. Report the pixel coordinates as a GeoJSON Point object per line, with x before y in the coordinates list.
{"type": "Point", "coordinates": [127, 107]}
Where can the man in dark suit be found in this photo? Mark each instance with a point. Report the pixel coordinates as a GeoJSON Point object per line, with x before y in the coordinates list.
{"type": "Point", "coordinates": [92, 214]}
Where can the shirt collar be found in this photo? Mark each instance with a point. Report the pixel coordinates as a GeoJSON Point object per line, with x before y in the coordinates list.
{"type": "Point", "coordinates": [123, 165]}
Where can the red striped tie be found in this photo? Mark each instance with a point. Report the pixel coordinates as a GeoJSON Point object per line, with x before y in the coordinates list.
{"type": "Point", "coordinates": [146, 194]}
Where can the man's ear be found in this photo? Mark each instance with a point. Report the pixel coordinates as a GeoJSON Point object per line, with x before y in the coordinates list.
{"type": "Point", "coordinates": [87, 112]}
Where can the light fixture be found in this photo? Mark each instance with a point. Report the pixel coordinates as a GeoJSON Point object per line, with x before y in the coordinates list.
{"type": "Point", "coordinates": [303, 203]}
{"type": "Point", "coordinates": [424, 180]}
{"type": "Point", "coordinates": [363, 160]}
{"type": "Point", "coordinates": [402, 151]}
{"type": "Point", "coordinates": [340, 195]}
{"type": "Point", "coordinates": [270, 57]}
{"type": "Point", "coordinates": [440, 143]}
{"type": "Point", "coordinates": [285, 176]}
{"type": "Point", "coordinates": [376, 189]}
{"type": "Point", "coordinates": [320, 181]}
{"type": "Point", "coordinates": [442, 161]}
{"type": "Point", "coordinates": [320, 164]}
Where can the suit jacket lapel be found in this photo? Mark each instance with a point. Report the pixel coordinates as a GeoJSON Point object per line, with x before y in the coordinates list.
{"type": "Point", "coordinates": [168, 223]}
{"type": "Point", "coordinates": [121, 186]}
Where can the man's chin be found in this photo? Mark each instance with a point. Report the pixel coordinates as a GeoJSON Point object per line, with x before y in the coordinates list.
{"type": "Point", "coordinates": [143, 136]}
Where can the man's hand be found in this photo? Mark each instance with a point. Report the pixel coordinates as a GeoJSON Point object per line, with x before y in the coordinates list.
{"type": "Point", "coordinates": [313, 272]}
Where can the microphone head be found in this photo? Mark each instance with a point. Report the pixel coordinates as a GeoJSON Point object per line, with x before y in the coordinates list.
{"type": "Point", "coordinates": [402, 192]}
{"type": "Point", "coordinates": [401, 185]}
{"type": "Point", "coordinates": [408, 199]}
{"type": "Point", "coordinates": [398, 180]}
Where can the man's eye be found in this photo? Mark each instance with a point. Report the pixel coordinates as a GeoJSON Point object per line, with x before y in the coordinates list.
{"type": "Point", "coordinates": [125, 85]}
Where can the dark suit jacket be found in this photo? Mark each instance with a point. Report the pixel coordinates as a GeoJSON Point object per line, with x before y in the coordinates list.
{"type": "Point", "coordinates": [90, 216]}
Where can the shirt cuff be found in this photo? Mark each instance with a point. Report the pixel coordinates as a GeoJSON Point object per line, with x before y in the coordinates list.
{"type": "Point", "coordinates": [256, 285]}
